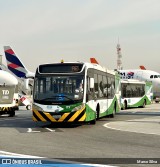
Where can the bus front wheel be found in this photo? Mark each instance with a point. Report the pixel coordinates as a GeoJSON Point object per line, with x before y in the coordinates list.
{"type": "Point", "coordinates": [12, 114]}
{"type": "Point", "coordinates": [114, 112]}
{"type": "Point", "coordinates": [93, 122]}
{"type": "Point", "coordinates": [144, 104]}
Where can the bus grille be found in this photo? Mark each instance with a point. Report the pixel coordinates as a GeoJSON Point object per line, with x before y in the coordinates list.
{"type": "Point", "coordinates": [78, 116]}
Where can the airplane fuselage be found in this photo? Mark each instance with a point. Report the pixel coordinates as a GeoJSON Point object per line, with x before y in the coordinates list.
{"type": "Point", "coordinates": [143, 75]}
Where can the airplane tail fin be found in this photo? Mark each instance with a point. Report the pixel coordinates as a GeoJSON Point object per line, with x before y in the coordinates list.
{"type": "Point", "coordinates": [94, 61]}
{"type": "Point", "coordinates": [14, 64]}
{"type": "Point", "coordinates": [142, 67]}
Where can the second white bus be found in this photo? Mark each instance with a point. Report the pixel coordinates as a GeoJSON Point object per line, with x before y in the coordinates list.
{"type": "Point", "coordinates": [135, 93]}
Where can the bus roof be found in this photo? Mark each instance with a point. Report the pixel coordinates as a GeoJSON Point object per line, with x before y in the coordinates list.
{"type": "Point", "coordinates": [84, 64]}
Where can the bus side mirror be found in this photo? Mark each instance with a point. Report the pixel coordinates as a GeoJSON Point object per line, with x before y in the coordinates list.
{"type": "Point", "coordinates": [91, 83]}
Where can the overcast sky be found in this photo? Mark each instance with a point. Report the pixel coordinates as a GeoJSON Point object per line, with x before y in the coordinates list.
{"type": "Point", "coordinates": [46, 31]}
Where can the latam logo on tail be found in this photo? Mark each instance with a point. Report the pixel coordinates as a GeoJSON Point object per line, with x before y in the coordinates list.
{"type": "Point", "coordinates": [15, 65]}
{"type": "Point", "coordinates": [127, 75]}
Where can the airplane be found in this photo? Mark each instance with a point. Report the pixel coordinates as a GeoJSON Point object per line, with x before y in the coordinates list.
{"type": "Point", "coordinates": [18, 69]}
{"type": "Point", "coordinates": [8, 78]}
{"type": "Point", "coordinates": [143, 74]}
{"type": "Point", "coordinates": [15, 65]}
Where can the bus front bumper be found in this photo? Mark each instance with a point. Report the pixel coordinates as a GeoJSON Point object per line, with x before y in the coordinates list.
{"type": "Point", "coordinates": [77, 116]}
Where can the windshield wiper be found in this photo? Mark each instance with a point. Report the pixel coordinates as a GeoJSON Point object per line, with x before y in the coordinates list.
{"type": "Point", "coordinates": [48, 98]}
{"type": "Point", "coordinates": [67, 97]}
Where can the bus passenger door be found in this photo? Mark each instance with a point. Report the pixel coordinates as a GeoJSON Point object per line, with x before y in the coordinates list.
{"type": "Point", "coordinates": [90, 95]}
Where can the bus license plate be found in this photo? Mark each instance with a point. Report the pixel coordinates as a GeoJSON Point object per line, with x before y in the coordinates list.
{"type": "Point", "coordinates": [5, 97]}
{"type": "Point", "coordinates": [57, 116]}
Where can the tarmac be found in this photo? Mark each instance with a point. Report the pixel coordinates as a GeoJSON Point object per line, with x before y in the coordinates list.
{"type": "Point", "coordinates": [150, 124]}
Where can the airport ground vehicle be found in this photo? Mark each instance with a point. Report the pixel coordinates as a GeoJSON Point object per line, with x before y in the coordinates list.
{"type": "Point", "coordinates": [8, 93]}
{"type": "Point", "coordinates": [135, 93]}
{"type": "Point", "coordinates": [25, 101]}
{"type": "Point", "coordinates": [74, 92]}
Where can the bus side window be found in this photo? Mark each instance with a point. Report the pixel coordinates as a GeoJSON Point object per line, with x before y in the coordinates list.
{"type": "Point", "coordinates": [112, 87]}
{"type": "Point", "coordinates": [90, 92]}
{"type": "Point", "coordinates": [124, 90]}
{"type": "Point", "coordinates": [109, 87]}
{"type": "Point", "coordinates": [100, 86]}
{"type": "Point", "coordinates": [88, 85]}
{"type": "Point", "coordinates": [105, 86]}
{"type": "Point", "coordinates": [142, 90]}
{"type": "Point", "coordinates": [96, 85]}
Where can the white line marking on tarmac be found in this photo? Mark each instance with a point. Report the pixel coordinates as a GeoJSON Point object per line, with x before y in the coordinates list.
{"type": "Point", "coordinates": [108, 125]}
{"type": "Point", "coordinates": [31, 131]}
{"type": "Point", "coordinates": [50, 130]}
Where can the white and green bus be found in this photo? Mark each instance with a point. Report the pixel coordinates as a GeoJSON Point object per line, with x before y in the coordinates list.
{"type": "Point", "coordinates": [135, 93]}
{"type": "Point", "coordinates": [74, 92]}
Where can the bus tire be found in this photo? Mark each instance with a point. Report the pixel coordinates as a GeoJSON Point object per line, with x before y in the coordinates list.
{"type": "Point", "coordinates": [97, 111]}
{"type": "Point", "coordinates": [12, 114]}
{"type": "Point", "coordinates": [93, 122]}
{"type": "Point", "coordinates": [144, 104]}
{"type": "Point", "coordinates": [114, 112]}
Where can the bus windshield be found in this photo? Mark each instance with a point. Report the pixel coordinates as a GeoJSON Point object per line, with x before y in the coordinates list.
{"type": "Point", "coordinates": [57, 89]}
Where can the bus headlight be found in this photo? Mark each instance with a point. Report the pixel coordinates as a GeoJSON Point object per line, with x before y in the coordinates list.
{"type": "Point", "coordinates": [37, 108]}
{"type": "Point", "coordinates": [82, 106]}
